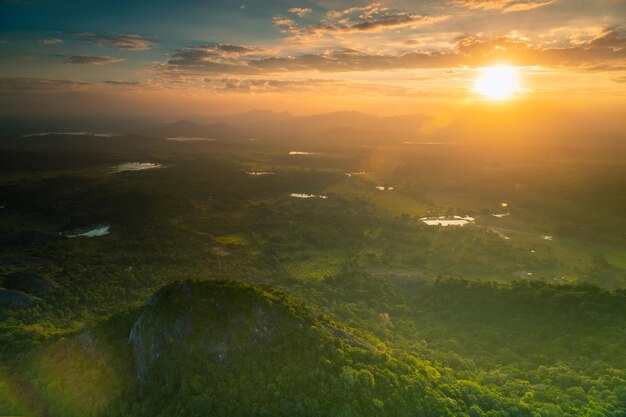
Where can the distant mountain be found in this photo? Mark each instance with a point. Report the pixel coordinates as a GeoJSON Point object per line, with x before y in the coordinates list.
{"type": "Point", "coordinates": [186, 128]}
{"type": "Point", "coordinates": [257, 116]}
{"type": "Point", "coordinates": [353, 136]}
{"type": "Point", "coordinates": [475, 123]}
{"type": "Point", "coordinates": [265, 124]}
{"type": "Point", "coordinates": [248, 119]}
{"type": "Point", "coordinates": [357, 125]}
{"type": "Point", "coordinates": [283, 125]}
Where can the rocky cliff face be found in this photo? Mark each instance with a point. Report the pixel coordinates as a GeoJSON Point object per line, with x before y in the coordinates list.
{"type": "Point", "coordinates": [17, 299]}
{"type": "Point", "coordinates": [29, 282]}
{"type": "Point", "coordinates": [214, 320]}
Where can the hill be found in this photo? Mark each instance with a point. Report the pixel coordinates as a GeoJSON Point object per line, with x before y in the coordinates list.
{"type": "Point", "coordinates": [229, 349]}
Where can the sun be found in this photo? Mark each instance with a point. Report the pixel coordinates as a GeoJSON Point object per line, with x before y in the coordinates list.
{"type": "Point", "coordinates": [497, 82]}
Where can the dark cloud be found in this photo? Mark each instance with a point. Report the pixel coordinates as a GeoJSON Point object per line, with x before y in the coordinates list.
{"type": "Point", "coordinates": [119, 41]}
{"type": "Point", "coordinates": [9, 85]}
{"type": "Point", "coordinates": [352, 60]}
{"type": "Point", "coordinates": [612, 37]}
{"type": "Point", "coordinates": [219, 57]}
{"type": "Point", "coordinates": [17, 57]}
{"type": "Point", "coordinates": [25, 85]}
{"type": "Point", "coordinates": [608, 50]}
{"type": "Point", "coordinates": [370, 18]}
{"type": "Point", "coordinates": [306, 85]}
{"type": "Point", "coordinates": [53, 41]}
{"type": "Point", "coordinates": [122, 83]}
{"type": "Point", "coordinates": [243, 50]}
{"type": "Point", "coordinates": [267, 85]}
{"type": "Point", "coordinates": [94, 60]}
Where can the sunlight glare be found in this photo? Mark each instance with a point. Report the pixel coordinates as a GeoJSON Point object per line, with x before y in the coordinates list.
{"type": "Point", "coordinates": [497, 82]}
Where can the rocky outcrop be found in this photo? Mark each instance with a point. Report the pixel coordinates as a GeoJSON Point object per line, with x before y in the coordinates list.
{"type": "Point", "coordinates": [215, 319]}
{"type": "Point", "coordinates": [222, 322]}
{"type": "Point", "coordinates": [17, 299]}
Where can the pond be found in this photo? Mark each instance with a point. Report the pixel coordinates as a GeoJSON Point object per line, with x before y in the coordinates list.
{"type": "Point", "coordinates": [98, 135]}
{"type": "Point", "coordinates": [258, 173]}
{"type": "Point", "coordinates": [89, 231]}
{"type": "Point", "coordinates": [501, 215]}
{"type": "Point", "coordinates": [134, 166]}
{"type": "Point", "coordinates": [448, 221]}
{"type": "Point", "coordinates": [302, 195]}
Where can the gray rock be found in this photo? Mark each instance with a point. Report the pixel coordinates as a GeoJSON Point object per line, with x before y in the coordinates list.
{"type": "Point", "coordinates": [29, 282]}
{"type": "Point", "coordinates": [17, 299]}
{"type": "Point", "coordinates": [200, 318]}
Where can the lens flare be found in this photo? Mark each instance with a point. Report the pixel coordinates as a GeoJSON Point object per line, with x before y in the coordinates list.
{"type": "Point", "coordinates": [498, 82]}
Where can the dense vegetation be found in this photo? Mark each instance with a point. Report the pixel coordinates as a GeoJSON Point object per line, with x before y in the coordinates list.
{"type": "Point", "coordinates": [449, 321]}
{"type": "Point", "coordinates": [230, 349]}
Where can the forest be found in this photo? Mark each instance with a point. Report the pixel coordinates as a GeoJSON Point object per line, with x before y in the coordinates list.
{"type": "Point", "coordinates": [186, 284]}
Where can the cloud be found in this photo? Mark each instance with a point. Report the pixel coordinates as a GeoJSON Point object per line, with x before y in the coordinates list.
{"type": "Point", "coordinates": [612, 37]}
{"type": "Point", "coordinates": [224, 48]}
{"type": "Point", "coordinates": [219, 57]}
{"type": "Point", "coordinates": [607, 50]}
{"type": "Point", "coordinates": [9, 85]}
{"type": "Point", "coordinates": [285, 22]}
{"type": "Point", "coordinates": [26, 85]}
{"type": "Point", "coordinates": [122, 83]}
{"type": "Point", "coordinates": [332, 14]}
{"type": "Point", "coordinates": [370, 18]}
{"type": "Point", "coordinates": [506, 6]}
{"type": "Point", "coordinates": [527, 5]}
{"type": "Point", "coordinates": [300, 11]}
{"type": "Point", "coordinates": [94, 60]}
{"type": "Point", "coordinates": [17, 57]}
{"type": "Point", "coordinates": [198, 60]}
{"type": "Point", "coordinates": [53, 41]}
{"type": "Point", "coordinates": [264, 85]}
{"type": "Point", "coordinates": [317, 86]}
{"type": "Point", "coordinates": [120, 41]}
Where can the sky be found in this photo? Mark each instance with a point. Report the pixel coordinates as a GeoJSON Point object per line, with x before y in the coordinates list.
{"type": "Point", "coordinates": [387, 57]}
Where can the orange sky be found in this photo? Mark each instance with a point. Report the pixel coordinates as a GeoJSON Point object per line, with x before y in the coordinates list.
{"type": "Point", "coordinates": [388, 57]}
